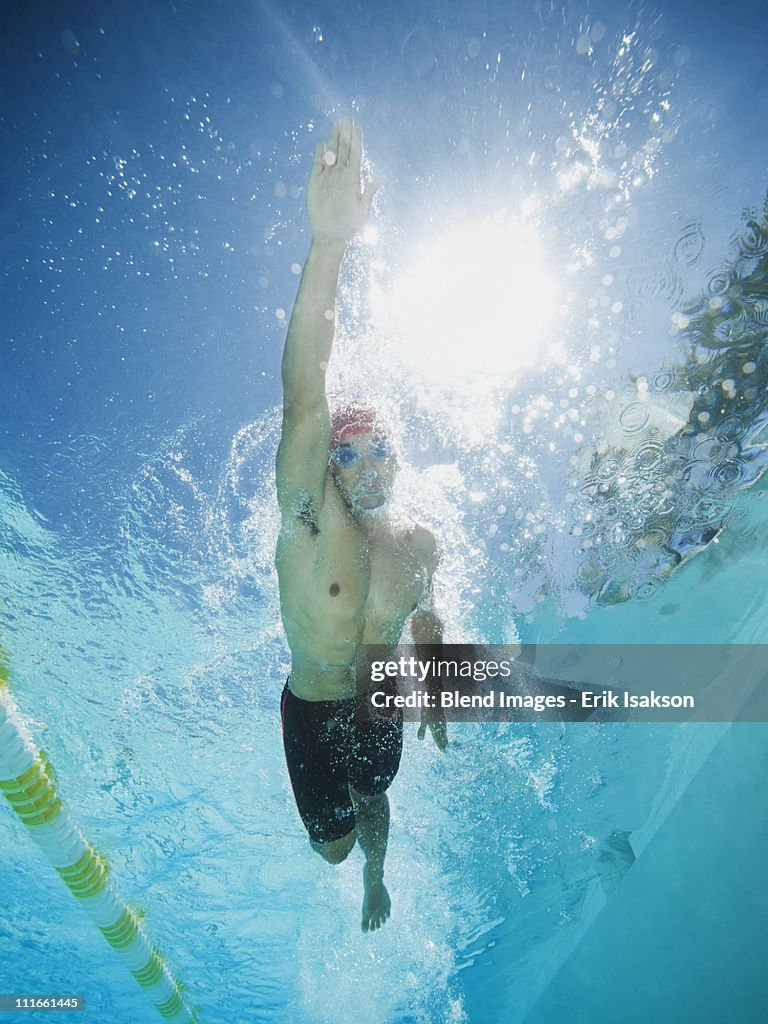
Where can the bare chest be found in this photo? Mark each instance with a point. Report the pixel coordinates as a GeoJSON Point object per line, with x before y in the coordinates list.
{"type": "Point", "coordinates": [395, 585]}
{"type": "Point", "coordinates": [356, 586]}
{"type": "Point", "coordinates": [379, 582]}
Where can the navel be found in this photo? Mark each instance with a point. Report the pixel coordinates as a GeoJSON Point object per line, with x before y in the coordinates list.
{"type": "Point", "coordinates": [334, 589]}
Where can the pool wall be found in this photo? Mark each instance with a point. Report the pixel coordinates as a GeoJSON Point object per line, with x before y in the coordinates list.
{"type": "Point", "coordinates": [683, 938]}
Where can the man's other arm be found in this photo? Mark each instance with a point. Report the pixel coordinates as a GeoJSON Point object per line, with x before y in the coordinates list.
{"type": "Point", "coordinates": [427, 630]}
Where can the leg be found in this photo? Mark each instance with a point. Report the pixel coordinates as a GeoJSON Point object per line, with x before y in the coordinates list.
{"type": "Point", "coordinates": [372, 828]}
{"type": "Point", "coordinates": [313, 737]}
{"type": "Point", "coordinates": [337, 850]}
{"type": "Point", "coordinates": [374, 763]}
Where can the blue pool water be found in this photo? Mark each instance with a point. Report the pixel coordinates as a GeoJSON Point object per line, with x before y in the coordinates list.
{"type": "Point", "coordinates": [152, 229]}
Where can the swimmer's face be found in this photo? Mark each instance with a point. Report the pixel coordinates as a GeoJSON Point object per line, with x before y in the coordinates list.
{"type": "Point", "coordinates": [364, 469]}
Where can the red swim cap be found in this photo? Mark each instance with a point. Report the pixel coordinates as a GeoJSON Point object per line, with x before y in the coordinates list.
{"type": "Point", "coordinates": [356, 418]}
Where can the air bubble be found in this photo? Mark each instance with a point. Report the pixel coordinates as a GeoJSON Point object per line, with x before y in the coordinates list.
{"type": "Point", "coordinates": [553, 78]}
{"type": "Point", "coordinates": [418, 55]}
{"type": "Point", "coordinates": [681, 57]}
{"type": "Point", "coordinates": [70, 43]}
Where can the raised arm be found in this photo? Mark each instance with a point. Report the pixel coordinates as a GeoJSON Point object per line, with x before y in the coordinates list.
{"type": "Point", "coordinates": [427, 630]}
{"type": "Point", "coordinates": [337, 208]}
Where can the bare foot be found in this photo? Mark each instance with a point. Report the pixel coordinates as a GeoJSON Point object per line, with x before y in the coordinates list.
{"type": "Point", "coordinates": [376, 902]}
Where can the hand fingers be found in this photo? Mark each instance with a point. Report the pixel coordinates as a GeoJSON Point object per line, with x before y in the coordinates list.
{"type": "Point", "coordinates": [345, 142]}
{"type": "Point", "coordinates": [356, 146]}
{"type": "Point", "coordinates": [440, 735]}
{"type": "Point", "coordinates": [318, 159]}
{"type": "Point", "coordinates": [334, 141]}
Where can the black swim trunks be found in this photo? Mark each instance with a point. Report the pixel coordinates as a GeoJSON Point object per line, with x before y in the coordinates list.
{"type": "Point", "coordinates": [328, 749]}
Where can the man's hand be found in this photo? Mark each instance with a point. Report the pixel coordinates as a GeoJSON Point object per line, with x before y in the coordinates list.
{"type": "Point", "coordinates": [434, 720]}
{"type": "Point", "coordinates": [336, 204]}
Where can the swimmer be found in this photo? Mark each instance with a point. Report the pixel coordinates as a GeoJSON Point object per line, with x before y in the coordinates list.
{"type": "Point", "coordinates": [350, 573]}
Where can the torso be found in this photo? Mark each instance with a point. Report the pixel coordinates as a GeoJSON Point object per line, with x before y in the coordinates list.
{"type": "Point", "coordinates": [340, 587]}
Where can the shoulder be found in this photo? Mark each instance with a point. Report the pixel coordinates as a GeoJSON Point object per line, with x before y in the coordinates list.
{"type": "Point", "coordinates": [425, 547]}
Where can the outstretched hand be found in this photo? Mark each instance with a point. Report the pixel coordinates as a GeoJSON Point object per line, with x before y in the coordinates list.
{"type": "Point", "coordinates": [337, 205]}
{"type": "Point", "coordinates": [434, 720]}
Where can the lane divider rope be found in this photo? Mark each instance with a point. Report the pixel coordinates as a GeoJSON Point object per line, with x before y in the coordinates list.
{"type": "Point", "coordinates": [28, 782]}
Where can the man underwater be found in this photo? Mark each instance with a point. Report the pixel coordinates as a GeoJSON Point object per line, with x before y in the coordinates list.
{"type": "Point", "coordinates": [349, 572]}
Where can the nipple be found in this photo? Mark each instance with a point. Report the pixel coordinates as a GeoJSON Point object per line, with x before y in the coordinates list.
{"type": "Point", "coordinates": [334, 589]}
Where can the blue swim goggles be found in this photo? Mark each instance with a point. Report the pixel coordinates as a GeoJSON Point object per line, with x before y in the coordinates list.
{"type": "Point", "coordinates": [379, 449]}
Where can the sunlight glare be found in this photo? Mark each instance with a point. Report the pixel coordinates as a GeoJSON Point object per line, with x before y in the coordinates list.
{"type": "Point", "coordinates": [476, 302]}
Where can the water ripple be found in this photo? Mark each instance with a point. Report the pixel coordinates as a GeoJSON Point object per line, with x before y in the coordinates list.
{"type": "Point", "coordinates": [753, 240]}
{"type": "Point", "coordinates": [666, 284]}
{"type": "Point", "coordinates": [689, 244]}
{"type": "Point", "coordinates": [646, 589]}
{"type": "Point", "coordinates": [731, 473]}
{"type": "Point", "coordinates": [731, 428]}
{"type": "Point", "coordinates": [647, 457]}
{"type": "Point", "coordinates": [708, 511]}
{"type": "Point", "coordinates": [634, 417]}
{"type": "Point", "coordinates": [665, 380]}
{"type": "Point", "coordinates": [719, 281]}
